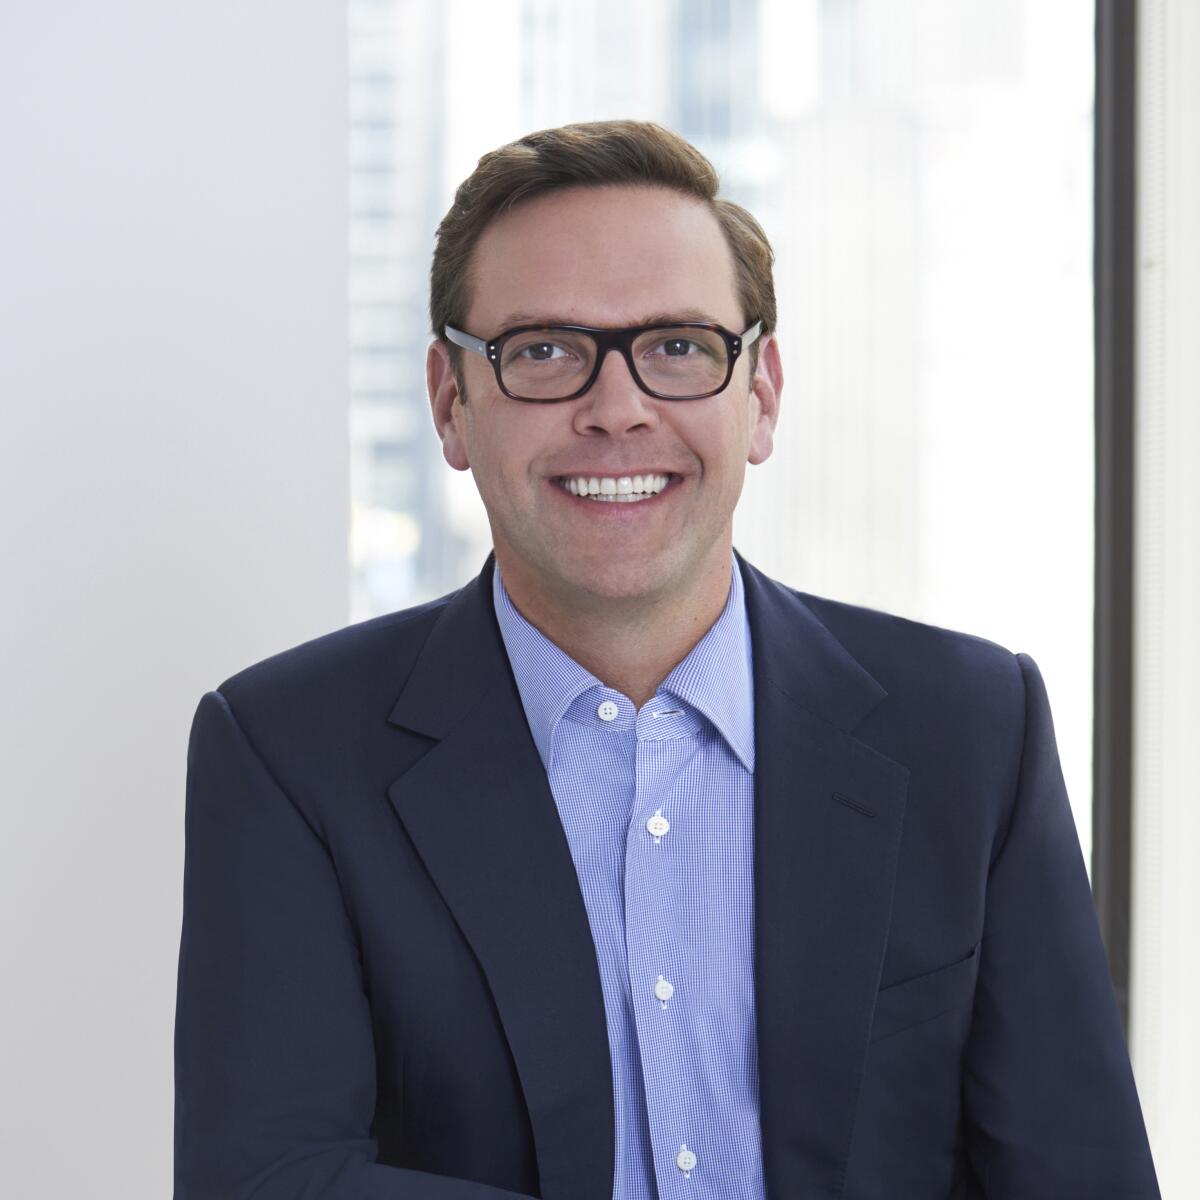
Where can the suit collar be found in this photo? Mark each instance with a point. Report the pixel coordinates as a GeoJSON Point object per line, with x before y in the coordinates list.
{"type": "Point", "coordinates": [462, 659]}
{"type": "Point", "coordinates": [793, 654]}
{"type": "Point", "coordinates": [829, 809]}
{"type": "Point", "coordinates": [548, 678]}
{"type": "Point", "coordinates": [714, 677]}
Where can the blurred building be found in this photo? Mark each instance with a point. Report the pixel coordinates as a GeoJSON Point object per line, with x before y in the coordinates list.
{"type": "Point", "coordinates": [923, 169]}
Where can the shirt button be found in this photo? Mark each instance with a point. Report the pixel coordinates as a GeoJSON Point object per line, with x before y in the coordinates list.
{"type": "Point", "coordinates": [664, 989]}
{"type": "Point", "coordinates": [658, 825]}
{"type": "Point", "coordinates": [685, 1160]}
{"type": "Point", "coordinates": [607, 711]}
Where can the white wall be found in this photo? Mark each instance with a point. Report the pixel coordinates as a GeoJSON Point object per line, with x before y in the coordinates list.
{"type": "Point", "coordinates": [1165, 970]}
{"type": "Point", "coordinates": [173, 506]}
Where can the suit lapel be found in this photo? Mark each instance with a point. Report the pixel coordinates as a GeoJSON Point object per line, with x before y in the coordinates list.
{"type": "Point", "coordinates": [828, 815]}
{"type": "Point", "coordinates": [479, 810]}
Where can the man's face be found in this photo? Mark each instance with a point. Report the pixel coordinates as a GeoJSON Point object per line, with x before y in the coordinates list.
{"type": "Point", "coordinates": [605, 256]}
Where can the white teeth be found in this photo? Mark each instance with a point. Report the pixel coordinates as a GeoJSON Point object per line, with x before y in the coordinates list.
{"type": "Point", "coordinates": [627, 488]}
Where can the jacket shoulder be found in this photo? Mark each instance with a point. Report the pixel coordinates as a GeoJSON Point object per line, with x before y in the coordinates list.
{"type": "Point", "coordinates": [337, 664]}
{"type": "Point", "coordinates": [954, 712]}
{"type": "Point", "coordinates": [933, 668]}
{"type": "Point", "coordinates": [878, 627]}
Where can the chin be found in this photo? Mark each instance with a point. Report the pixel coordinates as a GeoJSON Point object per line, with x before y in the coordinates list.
{"type": "Point", "coordinates": [620, 579]}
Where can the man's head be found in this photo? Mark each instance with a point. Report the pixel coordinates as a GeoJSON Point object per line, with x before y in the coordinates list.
{"type": "Point", "coordinates": [590, 153]}
{"type": "Point", "coordinates": [606, 224]}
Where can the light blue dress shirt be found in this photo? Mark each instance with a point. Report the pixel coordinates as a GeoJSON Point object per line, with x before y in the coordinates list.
{"type": "Point", "coordinates": [658, 808]}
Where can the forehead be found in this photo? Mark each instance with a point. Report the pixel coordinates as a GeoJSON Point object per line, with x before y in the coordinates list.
{"type": "Point", "coordinates": [606, 255]}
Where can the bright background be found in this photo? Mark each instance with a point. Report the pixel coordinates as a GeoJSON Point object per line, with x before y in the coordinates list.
{"type": "Point", "coordinates": [924, 171]}
{"type": "Point", "coordinates": [215, 228]}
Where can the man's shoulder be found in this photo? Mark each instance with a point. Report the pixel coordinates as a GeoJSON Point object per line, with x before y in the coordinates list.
{"type": "Point", "coordinates": [375, 653]}
{"type": "Point", "coordinates": [869, 628]}
{"type": "Point", "coordinates": [912, 657]}
{"type": "Point", "coordinates": [947, 696]}
{"type": "Point", "coordinates": [880, 627]}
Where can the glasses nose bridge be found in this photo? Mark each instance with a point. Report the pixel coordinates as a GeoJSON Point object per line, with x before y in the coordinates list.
{"type": "Point", "coordinates": [622, 342]}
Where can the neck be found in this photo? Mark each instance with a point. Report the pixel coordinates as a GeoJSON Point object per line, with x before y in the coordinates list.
{"type": "Point", "coordinates": [630, 644]}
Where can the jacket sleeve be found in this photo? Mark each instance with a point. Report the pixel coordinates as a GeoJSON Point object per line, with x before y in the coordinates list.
{"type": "Point", "coordinates": [1050, 1104]}
{"type": "Point", "coordinates": [274, 1054]}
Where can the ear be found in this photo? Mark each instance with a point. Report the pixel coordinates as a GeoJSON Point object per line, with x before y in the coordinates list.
{"type": "Point", "coordinates": [766, 388]}
{"type": "Point", "coordinates": [449, 415]}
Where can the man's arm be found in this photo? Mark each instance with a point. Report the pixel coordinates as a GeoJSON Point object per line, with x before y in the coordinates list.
{"type": "Point", "coordinates": [1050, 1103]}
{"type": "Point", "coordinates": [274, 1055]}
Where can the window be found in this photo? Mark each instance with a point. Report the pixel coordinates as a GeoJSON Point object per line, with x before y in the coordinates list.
{"type": "Point", "coordinates": [924, 170]}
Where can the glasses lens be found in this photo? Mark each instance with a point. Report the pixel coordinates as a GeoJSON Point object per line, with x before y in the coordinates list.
{"type": "Point", "coordinates": [681, 361]}
{"type": "Point", "coordinates": [546, 364]}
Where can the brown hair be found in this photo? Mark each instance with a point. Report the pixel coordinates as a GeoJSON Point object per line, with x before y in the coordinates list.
{"type": "Point", "coordinates": [590, 153]}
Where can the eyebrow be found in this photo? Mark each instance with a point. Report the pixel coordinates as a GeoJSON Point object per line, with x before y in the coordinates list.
{"type": "Point", "coordinates": [660, 318]}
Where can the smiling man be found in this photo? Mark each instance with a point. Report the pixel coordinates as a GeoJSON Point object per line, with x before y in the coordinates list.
{"type": "Point", "coordinates": [627, 581]}
{"type": "Point", "coordinates": [626, 871]}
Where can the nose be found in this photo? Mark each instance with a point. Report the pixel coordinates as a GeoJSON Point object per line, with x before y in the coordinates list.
{"type": "Point", "coordinates": [615, 403]}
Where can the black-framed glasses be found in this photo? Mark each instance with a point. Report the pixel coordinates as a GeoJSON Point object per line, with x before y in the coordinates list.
{"type": "Point", "coordinates": [686, 360]}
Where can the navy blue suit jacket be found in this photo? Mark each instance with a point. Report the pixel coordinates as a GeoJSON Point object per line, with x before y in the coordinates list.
{"type": "Point", "coordinates": [387, 983]}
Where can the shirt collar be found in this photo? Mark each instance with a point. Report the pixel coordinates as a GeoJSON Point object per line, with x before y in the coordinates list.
{"type": "Point", "coordinates": [715, 677]}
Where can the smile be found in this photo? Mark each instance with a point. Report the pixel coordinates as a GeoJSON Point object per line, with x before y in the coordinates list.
{"type": "Point", "coordinates": [619, 489]}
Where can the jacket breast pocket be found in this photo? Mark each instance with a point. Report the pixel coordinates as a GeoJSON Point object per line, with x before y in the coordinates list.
{"type": "Point", "coordinates": [913, 1001]}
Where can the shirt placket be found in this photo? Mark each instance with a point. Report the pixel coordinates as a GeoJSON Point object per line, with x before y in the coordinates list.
{"type": "Point", "coordinates": [660, 984]}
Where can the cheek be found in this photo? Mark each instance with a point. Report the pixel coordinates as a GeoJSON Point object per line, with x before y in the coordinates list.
{"type": "Point", "coordinates": [507, 447]}
{"type": "Point", "coordinates": [720, 442]}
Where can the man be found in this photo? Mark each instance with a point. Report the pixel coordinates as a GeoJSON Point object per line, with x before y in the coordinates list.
{"type": "Point", "coordinates": [624, 870]}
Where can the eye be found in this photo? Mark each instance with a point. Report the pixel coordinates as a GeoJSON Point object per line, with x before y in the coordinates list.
{"type": "Point", "coordinates": [677, 347]}
{"type": "Point", "coordinates": [540, 351]}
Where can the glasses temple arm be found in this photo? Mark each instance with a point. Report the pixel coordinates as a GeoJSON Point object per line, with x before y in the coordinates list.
{"type": "Point", "coordinates": [466, 341]}
{"type": "Point", "coordinates": [750, 336]}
